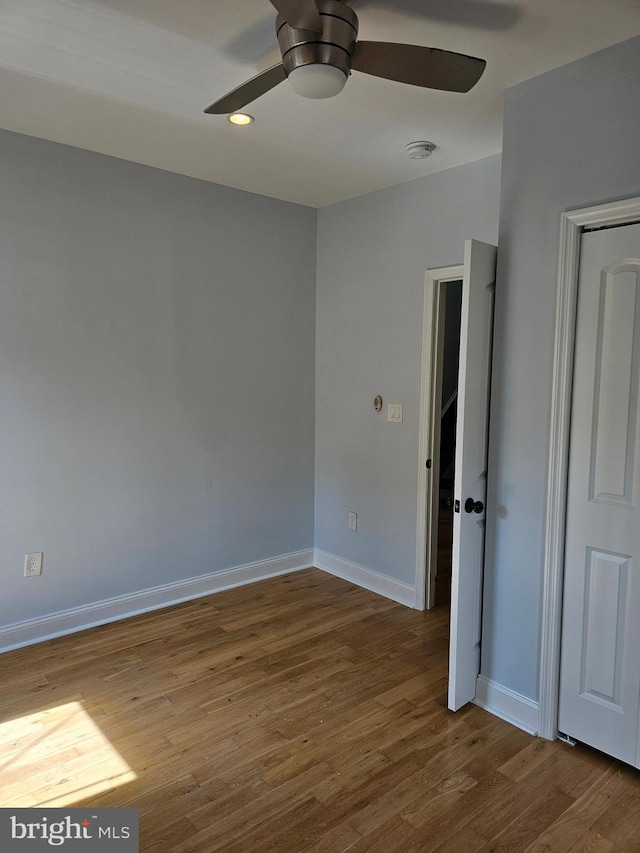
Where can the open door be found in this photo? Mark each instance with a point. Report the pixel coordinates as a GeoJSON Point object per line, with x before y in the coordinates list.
{"type": "Point", "coordinates": [470, 484]}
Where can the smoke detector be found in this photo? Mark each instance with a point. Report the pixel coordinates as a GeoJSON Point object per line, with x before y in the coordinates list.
{"type": "Point", "coordinates": [419, 150]}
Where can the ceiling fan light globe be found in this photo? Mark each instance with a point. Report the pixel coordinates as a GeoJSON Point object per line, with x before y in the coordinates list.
{"type": "Point", "coordinates": [317, 81]}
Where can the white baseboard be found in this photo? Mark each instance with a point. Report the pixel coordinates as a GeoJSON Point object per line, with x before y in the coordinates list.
{"type": "Point", "coordinates": [396, 590]}
{"type": "Point", "coordinates": [507, 704]}
{"type": "Point", "coordinates": [79, 618]}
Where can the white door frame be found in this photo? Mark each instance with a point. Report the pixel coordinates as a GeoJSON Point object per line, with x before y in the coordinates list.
{"type": "Point", "coordinates": [434, 284]}
{"type": "Point", "coordinates": [572, 225]}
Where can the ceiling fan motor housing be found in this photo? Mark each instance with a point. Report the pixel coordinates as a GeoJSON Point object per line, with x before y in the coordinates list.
{"type": "Point", "coordinates": [335, 46]}
{"type": "Point", "coordinates": [319, 52]}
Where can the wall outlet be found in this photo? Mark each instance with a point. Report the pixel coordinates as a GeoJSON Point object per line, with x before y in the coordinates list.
{"type": "Point", "coordinates": [32, 565]}
{"type": "Point", "coordinates": [352, 523]}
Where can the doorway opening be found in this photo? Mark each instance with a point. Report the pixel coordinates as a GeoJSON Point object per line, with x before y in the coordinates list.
{"type": "Point", "coordinates": [438, 419]}
{"type": "Point", "coordinates": [445, 436]}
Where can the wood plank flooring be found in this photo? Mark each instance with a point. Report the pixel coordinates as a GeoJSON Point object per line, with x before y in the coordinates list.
{"type": "Point", "coordinates": [300, 715]}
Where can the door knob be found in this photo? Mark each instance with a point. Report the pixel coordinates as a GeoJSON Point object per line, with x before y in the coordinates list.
{"type": "Point", "coordinates": [473, 506]}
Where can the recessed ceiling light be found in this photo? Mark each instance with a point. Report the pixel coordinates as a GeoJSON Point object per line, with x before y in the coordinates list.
{"type": "Point", "coordinates": [240, 119]}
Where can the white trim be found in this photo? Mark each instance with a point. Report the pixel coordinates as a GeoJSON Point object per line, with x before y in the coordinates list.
{"type": "Point", "coordinates": [396, 590]}
{"type": "Point", "coordinates": [433, 279]}
{"type": "Point", "coordinates": [502, 702]}
{"type": "Point", "coordinates": [572, 225]}
{"type": "Point", "coordinates": [101, 612]}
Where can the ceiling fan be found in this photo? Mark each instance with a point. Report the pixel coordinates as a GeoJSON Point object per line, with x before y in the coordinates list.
{"type": "Point", "coordinates": [319, 47]}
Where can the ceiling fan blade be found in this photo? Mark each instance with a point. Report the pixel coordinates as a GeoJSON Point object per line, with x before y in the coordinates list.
{"type": "Point", "coordinates": [419, 66]}
{"type": "Point", "coordinates": [254, 44]}
{"type": "Point", "coordinates": [482, 14]}
{"type": "Point", "coordinates": [249, 91]}
{"type": "Point", "coordinates": [300, 14]}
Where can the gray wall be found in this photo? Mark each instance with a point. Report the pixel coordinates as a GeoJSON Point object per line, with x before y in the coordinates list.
{"type": "Point", "coordinates": [373, 252]}
{"type": "Point", "coordinates": [570, 140]}
{"type": "Point", "coordinates": [156, 376]}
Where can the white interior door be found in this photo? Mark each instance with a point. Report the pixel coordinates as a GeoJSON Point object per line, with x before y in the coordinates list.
{"type": "Point", "coordinates": [470, 486]}
{"type": "Point", "coordinates": [600, 666]}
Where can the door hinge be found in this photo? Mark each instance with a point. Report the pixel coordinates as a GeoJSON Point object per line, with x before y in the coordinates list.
{"type": "Point", "coordinates": [567, 739]}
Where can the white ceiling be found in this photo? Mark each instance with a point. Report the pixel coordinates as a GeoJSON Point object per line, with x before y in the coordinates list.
{"type": "Point", "coordinates": [130, 78]}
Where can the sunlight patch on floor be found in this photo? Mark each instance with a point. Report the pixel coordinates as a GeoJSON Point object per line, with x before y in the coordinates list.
{"type": "Point", "coordinates": [57, 757]}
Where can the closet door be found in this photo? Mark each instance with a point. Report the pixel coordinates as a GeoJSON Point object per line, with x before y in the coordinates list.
{"type": "Point", "coordinates": [600, 669]}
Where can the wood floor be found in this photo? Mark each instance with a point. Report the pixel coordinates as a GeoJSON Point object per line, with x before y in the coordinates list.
{"type": "Point", "coordinates": [300, 715]}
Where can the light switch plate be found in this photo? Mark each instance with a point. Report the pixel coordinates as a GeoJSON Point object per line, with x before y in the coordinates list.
{"type": "Point", "coordinates": [394, 413]}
